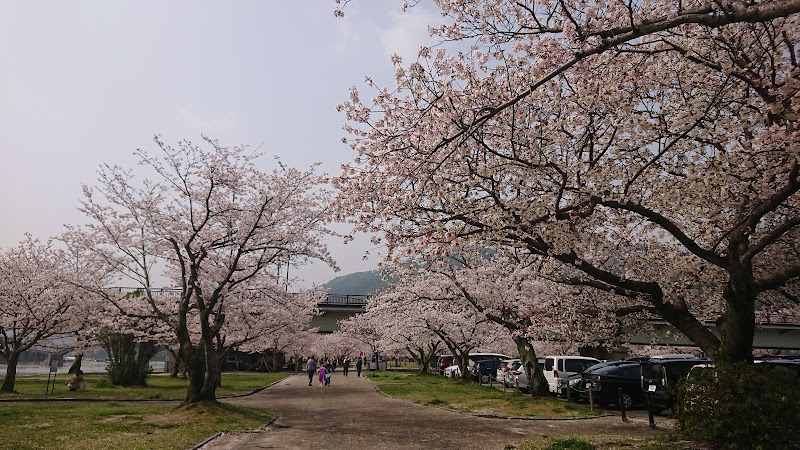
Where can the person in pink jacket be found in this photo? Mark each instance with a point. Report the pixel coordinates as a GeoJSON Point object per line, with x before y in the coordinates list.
{"type": "Point", "coordinates": [321, 376]}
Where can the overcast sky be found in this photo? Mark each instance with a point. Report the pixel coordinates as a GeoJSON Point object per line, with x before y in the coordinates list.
{"type": "Point", "coordinates": [88, 82]}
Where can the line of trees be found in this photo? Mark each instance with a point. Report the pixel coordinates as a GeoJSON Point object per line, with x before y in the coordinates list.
{"type": "Point", "coordinates": [208, 218]}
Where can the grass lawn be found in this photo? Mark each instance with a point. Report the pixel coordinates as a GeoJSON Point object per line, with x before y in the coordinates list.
{"type": "Point", "coordinates": [601, 442]}
{"type": "Point", "coordinates": [122, 425]}
{"type": "Point", "coordinates": [159, 387]}
{"type": "Point", "coordinates": [470, 397]}
{"type": "Point", "coordinates": [29, 425]}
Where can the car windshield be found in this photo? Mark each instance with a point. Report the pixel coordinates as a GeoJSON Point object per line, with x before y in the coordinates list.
{"type": "Point", "coordinates": [578, 365]}
{"type": "Point", "coordinates": [628, 370]}
{"type": "Point", "coordinates": [594, 367]}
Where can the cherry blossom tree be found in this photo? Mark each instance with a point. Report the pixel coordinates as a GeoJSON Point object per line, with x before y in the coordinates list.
{"type": "Point", "coordinates": [271, 323]}
{"type": "Point", "coordinates": [403, 329]}
{"type": "Point", "coordinates": [38, 300]}
{"type": "Point", "coordinates": [432, 303]}
{"type": "Point", "coordinates": [644, 149]}
{"type": "Point", "coordinates": [219, 226]}
{"type": "Point", "coordinates": [512, 290]}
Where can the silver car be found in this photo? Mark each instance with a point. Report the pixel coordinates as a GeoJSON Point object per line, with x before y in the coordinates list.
{"type": "Point", "coordinates": [521, 380]}
{"type": "Point", "coordinates": [504, 369]}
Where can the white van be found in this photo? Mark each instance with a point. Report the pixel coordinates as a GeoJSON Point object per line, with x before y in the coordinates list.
{"type": "Point", "coordinates": [556, 367]}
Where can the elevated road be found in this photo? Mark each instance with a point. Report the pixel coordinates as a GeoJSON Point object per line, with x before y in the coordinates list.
{"type": "Point", "coordinates": [337, 307]}
{"type": "Point", "coordinates": [775, 332]}
{"type": "Point", "coordinates": [778, 332]}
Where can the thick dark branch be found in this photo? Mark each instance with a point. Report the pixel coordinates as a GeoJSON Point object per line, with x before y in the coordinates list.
{"type": "Point", "coordinates": [667, 225]}
{"type": "Point", "coordinates": [599, 285]}
{"type": "Point", "coordinates": [770, 205]}
{"type": "Point", "coordinates": [779, 278]}
{"type": "Point", "coordinates": [771, 238]}
{"type": "Point", "coordinates": [635, 309]}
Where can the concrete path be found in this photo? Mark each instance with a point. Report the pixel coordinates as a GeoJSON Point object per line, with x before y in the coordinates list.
{"type": "Point", "coordinates": [351, 414]}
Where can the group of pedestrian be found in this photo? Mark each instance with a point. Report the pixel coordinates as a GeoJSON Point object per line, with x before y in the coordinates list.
{"type": "Point", "coordinates": [324, 371]}
{"type": "Point", "coordinates": [346, 365]}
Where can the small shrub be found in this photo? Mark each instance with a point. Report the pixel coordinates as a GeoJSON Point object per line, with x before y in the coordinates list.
{"type": "Point", "coordinates": [571, 444]}
{"type": "Point", "coordinates": [742, 406]}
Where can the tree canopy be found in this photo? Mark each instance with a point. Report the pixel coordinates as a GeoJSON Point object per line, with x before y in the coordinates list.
{"type": "Point", "coordinates": [645, 149]}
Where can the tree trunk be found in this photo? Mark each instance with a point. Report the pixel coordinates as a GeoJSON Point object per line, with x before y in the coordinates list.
{"type": "Point", "coordinates": [176, 366]}
{"type": "Point", "coordinates": [737, 324]}
{"type": "Point", "coordinates": [203, 366]}
{"type": "Point", "coordinates": [11, 372]}
{"type": "Point", "coordinates": [537, 384]}
{"type": "Point", "coordinates": [425, 362]}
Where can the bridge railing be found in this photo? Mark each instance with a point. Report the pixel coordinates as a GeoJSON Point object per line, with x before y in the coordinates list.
{"type": "Point", "coordinates": [345, 300]}
{"type": "Point", "coordinates": [778, 319]}
{"type": "Point", "coordinates": [330, 299]}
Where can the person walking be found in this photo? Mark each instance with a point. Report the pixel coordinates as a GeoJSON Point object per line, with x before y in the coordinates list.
{"type": "Point", "coordinates": [359, 363]}
{"type": "Point", "coordinates": [346, 365]}
{"type": "Point", "coordinates": [311, 368]}
{"type": "Point", "coordinates": [321, 376]}
{"type": "Point", "coordinates": [328, 373]}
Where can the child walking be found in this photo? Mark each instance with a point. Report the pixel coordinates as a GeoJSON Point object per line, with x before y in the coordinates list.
{"type": "Point", "coordinates": [321, 377]}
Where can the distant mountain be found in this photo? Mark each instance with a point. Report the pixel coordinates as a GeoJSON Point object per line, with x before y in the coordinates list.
{"type": "Point", "coordinates": [359, 283]}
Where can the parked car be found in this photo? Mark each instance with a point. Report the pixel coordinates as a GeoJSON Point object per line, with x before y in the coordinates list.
{"type": "Point", "coordinates": [556, 367]}
{"type": "Point", "coordinates": [660, 377]}
{"type": "Point", "coordinates": [573, 382]}
{"type": "Point", "coordinates": [674, 356]}
{"type": "Point", "coordinates": [502, 369]}
{"type": "Point", "coordinates": [453, 371]}
{"type": "Point", "coordinates": [521, 380]}
{"type": "Point", "coordinates": [569, 387]}
{"type": "Point", "coordinates": [473, 357]}
{"type": "Point", "coordinates": [510, 376]}
{"type": "Point", "coordinates": [444, 362]}
{"type": "Point", "coordinates": [605, 381]}
{"type": "Point", "coordinates": [485, 371]}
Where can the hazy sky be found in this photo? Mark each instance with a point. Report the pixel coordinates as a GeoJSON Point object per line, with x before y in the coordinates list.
{"type": "Point", "coordinates": [88, 82]}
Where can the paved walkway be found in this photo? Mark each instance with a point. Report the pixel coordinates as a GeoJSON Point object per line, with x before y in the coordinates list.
{"type": "Point", "coordinates": [351, 414]}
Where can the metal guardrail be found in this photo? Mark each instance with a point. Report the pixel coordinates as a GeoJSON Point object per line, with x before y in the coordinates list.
{"type": "Point", "coordinates": [331, 299]}
{"type": "Point", "coordinates": [169, 292]}
{"type": "Point", "coordinates": [345, 300]}
{"type": "Point", "coordinates": [778, 319]}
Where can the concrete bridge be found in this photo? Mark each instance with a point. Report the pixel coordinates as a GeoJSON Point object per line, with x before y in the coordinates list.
{"type": "Point", "coordinates": [778, 332]}
{"type": "Point", "coordinates": [775, 332]}
{"type": "Point", "coordinates": [337, 307]}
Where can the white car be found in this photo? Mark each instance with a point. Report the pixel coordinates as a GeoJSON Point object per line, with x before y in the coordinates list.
{"type": "Point", "coordinates": [452, 372]}
{"type": "Point", "coordinates": [557, 367]}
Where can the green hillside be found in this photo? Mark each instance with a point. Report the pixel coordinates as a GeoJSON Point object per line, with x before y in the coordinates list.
{"type": "Point", "coordinates": [359, 283]}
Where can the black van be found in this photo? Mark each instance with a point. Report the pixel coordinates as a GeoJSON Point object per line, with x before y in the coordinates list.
{"type": "Point", "coordinates": [660, 377]}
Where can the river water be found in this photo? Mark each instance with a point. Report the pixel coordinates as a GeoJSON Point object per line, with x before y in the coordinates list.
{"type": "Point", "coordinates": [86, 367]}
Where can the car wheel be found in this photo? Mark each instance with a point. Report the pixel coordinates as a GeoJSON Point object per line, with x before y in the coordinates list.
{"type": "Point", "coordinates": [485, 379]}
{"type": "Point", "coordinates": [627, 401]}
